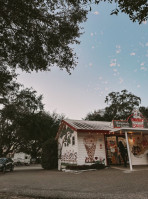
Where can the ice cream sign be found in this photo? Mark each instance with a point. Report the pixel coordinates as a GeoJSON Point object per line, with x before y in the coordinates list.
{"type": "Point", "coordinates": [135, 120]}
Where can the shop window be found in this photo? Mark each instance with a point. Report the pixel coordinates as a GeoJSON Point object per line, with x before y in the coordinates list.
{"type": "Point", "coordinates": [73, 140]}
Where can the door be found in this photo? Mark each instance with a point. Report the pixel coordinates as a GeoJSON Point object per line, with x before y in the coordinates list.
{"type": "Point", "coordinates": [113, 153]}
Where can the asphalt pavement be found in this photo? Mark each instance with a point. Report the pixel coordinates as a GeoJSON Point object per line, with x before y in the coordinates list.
{"type": "Point", "coordinates": [110, 183]}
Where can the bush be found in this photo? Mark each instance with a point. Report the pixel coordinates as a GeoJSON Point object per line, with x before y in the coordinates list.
{"type": "Point", "coordinates": [85, 167]}
{"type": "Point", "coordinates": [49, 157]}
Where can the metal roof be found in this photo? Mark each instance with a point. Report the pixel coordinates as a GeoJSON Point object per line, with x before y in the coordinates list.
{"type": "Point", "coordinates": [89, 125]}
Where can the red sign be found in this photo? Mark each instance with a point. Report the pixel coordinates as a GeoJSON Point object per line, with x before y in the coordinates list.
{"type": "Point", "coordinates": [137, 122]}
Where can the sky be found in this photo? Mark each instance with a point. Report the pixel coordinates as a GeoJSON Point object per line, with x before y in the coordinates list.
{"type": "Point", "coordinates": [112, 56]}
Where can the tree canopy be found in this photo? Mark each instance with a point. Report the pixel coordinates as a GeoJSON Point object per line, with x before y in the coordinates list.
{"type": "Point", "coordinates": [36, 35]}
{"type": "Point", "coordinates": [24, 125]}
{"type": "Point", "coordinates": [137, 10]}
{"type": "Point", "coordinates": [120, 106]}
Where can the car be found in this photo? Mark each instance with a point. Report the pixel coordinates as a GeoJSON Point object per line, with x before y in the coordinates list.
{"type": "Point", "coordinates": [6, 164]}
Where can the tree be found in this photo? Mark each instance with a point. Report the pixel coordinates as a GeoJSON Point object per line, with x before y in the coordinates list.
{"type": "Point", "coordinates": [94, 116]}
{"type": "Point", "coordinates": [36, 129]}
{"type": "Point", "coordinates": [20, 104]}
{"type": "Point", "coordinates": [137, 10]}
{"type": "Point", "coordinates": [37, 35]}
{"type": "Point", "coordinates": [144, 111]}
{"type": "Point", "coordinates": [49, 159]}
{"type": "Point", "coordinates": [8, 84]}
{"type": "Point", "coordinates": [120, 106]}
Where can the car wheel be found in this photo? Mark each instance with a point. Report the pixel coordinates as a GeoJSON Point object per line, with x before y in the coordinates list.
{"type": "Point", "coordinates": [4, 169]}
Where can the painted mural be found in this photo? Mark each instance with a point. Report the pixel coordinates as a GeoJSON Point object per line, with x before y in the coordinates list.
{"type": "Point", "coordinates": [140, 145]}
{"type": "Point", "coordinates": [69, 157]}
{"type": "Point", "coordinates": [90, 146]}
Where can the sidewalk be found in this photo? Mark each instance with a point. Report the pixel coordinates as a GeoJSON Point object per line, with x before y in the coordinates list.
{"type": "Point", "coordinates": [127, 169]}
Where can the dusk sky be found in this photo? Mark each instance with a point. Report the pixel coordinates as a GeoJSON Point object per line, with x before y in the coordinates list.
{"type": "Point", "coordinates": [112, 56]}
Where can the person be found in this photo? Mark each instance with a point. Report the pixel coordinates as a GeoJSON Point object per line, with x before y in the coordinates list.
{"type": "Point", "coordinates": [123, 153]}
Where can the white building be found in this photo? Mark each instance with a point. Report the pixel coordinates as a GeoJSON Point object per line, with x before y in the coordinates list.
{"type": "Point", "coordinates": [85, 142]}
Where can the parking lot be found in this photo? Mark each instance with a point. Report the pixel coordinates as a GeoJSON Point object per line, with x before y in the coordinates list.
{"type": "Point", "coordinates": [109, 183]}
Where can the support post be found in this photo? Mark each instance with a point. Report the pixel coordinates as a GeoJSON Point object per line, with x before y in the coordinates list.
{"type": "Point", "coordinates": [128, 150]}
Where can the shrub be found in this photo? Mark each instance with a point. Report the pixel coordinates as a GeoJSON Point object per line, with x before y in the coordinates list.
{"type": "Point", "coordinates": [85, 167]}
{"type": "Point", "coordinates": [49, 157]}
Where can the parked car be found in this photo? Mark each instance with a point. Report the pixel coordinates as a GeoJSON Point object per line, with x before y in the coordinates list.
{"type": "Point", "coordinates": [6, 164]}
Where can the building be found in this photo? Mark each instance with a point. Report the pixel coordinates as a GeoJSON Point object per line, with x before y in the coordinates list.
{"type": "Point", "coordinates": [85, 142]}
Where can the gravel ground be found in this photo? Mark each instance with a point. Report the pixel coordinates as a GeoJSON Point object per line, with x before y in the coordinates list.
{"type": "Point", "coordinates": [34, 182]}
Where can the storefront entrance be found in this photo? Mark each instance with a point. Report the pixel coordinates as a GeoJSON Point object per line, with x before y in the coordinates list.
{"type": "Point", "coordinates": [113, 154]}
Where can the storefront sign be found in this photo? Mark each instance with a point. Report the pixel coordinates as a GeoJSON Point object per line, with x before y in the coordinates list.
{"type": "Point", "coordinates": [137, 122]}
{"type": "Point", "coordinates": [120, 124]}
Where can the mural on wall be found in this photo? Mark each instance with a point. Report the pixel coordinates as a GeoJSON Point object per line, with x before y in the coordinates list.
{"type": "Point", "coordinates": [90, 145]}
{"type": "Point", "coordinates": [69, 157]}
{"type": "Point", "coordinates": [140, 145]}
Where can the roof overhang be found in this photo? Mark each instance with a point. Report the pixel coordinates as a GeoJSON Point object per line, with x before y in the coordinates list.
{"type": "Point", "coordinates": [129, 130]}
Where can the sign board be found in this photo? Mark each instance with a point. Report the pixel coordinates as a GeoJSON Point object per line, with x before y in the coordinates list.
{"type": "Point", "coordinates": [120, 124]}
{"type": "Point", "coordinates": [135, 120]}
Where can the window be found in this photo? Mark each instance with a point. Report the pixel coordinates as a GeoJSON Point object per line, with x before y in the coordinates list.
{"type": "Point", "coordinates": [73, 140]}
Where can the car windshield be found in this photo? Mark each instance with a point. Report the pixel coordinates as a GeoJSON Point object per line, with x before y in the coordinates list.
{"type": "Point", "coordinates": [2, 160]}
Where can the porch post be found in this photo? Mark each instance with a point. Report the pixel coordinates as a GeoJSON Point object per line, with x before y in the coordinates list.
{"type": "Point", "coordinates": [128, 150]}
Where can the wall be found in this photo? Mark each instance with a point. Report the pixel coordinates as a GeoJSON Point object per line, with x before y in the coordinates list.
{"type": "Point", "coordinates": [69, 152]}
{"type": "Point", "coordinates": [91, 147]}
{"type": "Point", "coordinates": [139, 149]}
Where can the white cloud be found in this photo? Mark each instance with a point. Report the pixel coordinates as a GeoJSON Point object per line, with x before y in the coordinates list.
{"type": "Point", "coordinates": [91, 34]}
{"type": "Point", "coordinates": [106, 89]}
{"type": "Point", "coordinates": [118, 49]}
{"type": "Point", "coordinates": [113, 62]}
{"type": "Point", "coordinates": [144, 22]}
{"type": "Point", "coordinates": [90, 64]}
{"type": "Point", "coordinates": [132, 54]}
{"type": "Point", "coordinates": [146, 44]}
{"type": "Point", "coordinates": [143, 68]}
{"type": "Point", "coordinates": [105, 82]}
{"type": "Point", "coordinates": [138, 86]}
{"type": "Point", "coordinates": [100, 78]}
{"type": "Point", "coordinates": [142, 64]}
{"type": "Point", "coordinates": [92, 47]}
{"type": "Point", "coordinates": [121, 80]}
{"type": "Point", "coordinates": [96, 13]}
{"type": "Point", "coordinates": [115, 70]}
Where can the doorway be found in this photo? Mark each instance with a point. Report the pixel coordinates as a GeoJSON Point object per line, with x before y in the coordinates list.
{"type": "Point", "coordinates": [113, 154]}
